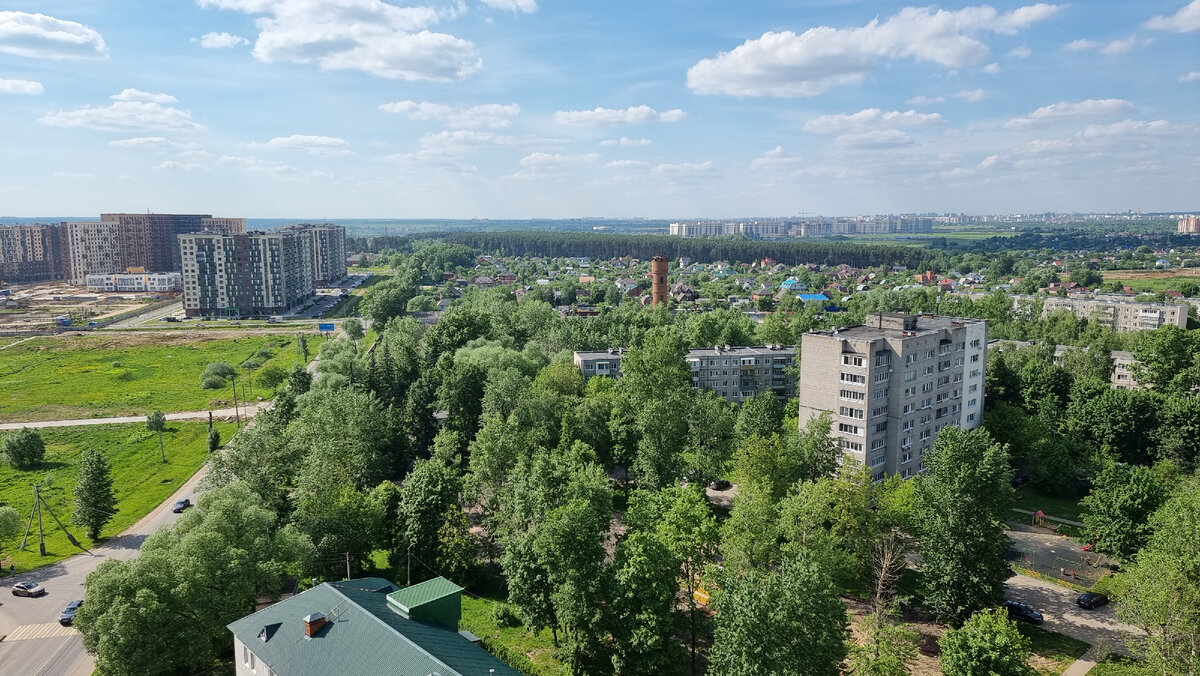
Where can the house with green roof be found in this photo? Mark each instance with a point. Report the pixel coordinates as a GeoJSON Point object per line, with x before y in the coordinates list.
{"type": "Point", "coordinates": [364, 626]}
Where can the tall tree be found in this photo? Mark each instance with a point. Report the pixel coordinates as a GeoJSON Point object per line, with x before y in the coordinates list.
{"type": "Point", "coordinates": [353, 328]}
{"type": "Point", "coordinates": [157, 422]}
{"type": "Point", "coordinates": [642, 589]}
{"type": "Point", "coordinates": [786, 622]}
{"type": "Point", "coordinates": [570, 546]}
{"type": "Point", "coordinates": [988, 643]}
{"type": "Point", "coordinates": [95, 502]}
{"type": "Point", "coordinates": [887, 648]}
{"type": "Point", "coordinates": [761, 416]}
{"type": "Point", "coordinates": [963, 499]}
{"type": "Point", "coordinates": [1167, 359]}
{"type": "Point", "coordinates": [710, 422]}
{"type": "Point", "coordinates": [1117, 512]}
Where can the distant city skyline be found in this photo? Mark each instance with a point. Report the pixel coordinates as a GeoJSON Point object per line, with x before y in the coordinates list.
{"type": "Point", "coordinates": [515, 109]}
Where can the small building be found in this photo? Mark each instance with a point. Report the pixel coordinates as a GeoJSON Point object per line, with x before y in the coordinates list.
{"type": "Point", "coordinates": [136, 281]}
{"type": "Point", "coordinates": [364, 626]}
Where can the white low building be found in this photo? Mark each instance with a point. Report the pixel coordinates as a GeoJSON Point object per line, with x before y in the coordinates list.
{"type": "Point", "coordinates": [136, 281]}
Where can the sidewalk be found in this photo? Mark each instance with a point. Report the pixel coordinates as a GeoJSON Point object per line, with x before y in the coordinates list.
{"type": "Point", "coordinates": [223, 413]}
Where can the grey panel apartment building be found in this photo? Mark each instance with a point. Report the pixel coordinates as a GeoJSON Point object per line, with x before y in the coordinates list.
{"type": "Point", "coordinates": [33, 253]}
{"type": "Point", "coordinates": [328, 251]}
{"type": "Point", "coordinates": [1119, 313]}
{"type": "Point", "coordinates": [735, 373]}
{"type": "Point", "coordinates": [255, 274]}
{"type": "Point", "coordinates": [893, 383]}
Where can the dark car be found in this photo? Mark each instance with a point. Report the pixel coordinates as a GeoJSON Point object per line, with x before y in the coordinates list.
{"type": "Point", "coordinates": [30, 589]}
{"type": "Point", "coordinates": [181, 505]}
{"type": "Point", "coordinates": [1020, 611]}
{"type": "Point", "coordinates": [68, 614]}
{"type": "Point", "coordinates": [720, 485]}
{"type": "Point", "coordinates": [1092, 600]}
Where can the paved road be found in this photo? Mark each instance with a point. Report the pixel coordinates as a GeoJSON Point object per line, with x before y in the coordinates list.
{"type": "Point", "coordinates": [1057, 605]}
{"type": "Point", "coordinates": [222, 413]}
{"type": "Point", "coordinates": [45, 654]}
{"type": "Point", "coordinates": [138, 319]}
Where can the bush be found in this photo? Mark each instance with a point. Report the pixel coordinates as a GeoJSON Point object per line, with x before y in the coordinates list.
{"type": "Point", "coordinates": [24, 449]}
{"type": "Point", "coordinates": [125, 376]}
{"type": "Point", "coordinates": [253, 363]}
{"type": "Point", "coordinates": [116, 364]}
{"type": "Point", "coordinates": [504, 616]}
{"type": "Point", "coordinates": [214, 440]}
{"type": "Point", "coordinates": [212, 382]}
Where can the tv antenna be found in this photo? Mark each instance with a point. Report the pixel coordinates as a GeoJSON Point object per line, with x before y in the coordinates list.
{"type": "Point", "coordinates": [38, 503]}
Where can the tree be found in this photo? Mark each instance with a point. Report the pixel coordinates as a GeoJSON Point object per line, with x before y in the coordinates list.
{"type": "Point", "coordinates": [157, 422]}
{"type": "Point", "coordinates": [761, 416]}
{"type": "Point", "coordinates": [429, 494]}
{"type": "Point", "coordinates": [642, 588]}
{"type": "Point", "coordinates": [353, 328]}
{"type": "Point", "coordinates": [887, 648]}
{"type": "Point", "coordinates": [710, 422]}
{"type": "Point", "coordinates": [191, 579]}
{"type": "Point", "coordinates": [24, 449]}
{"type": "Point", "coordinates": [817, 453]}
{"type": "Point", "coordinates": [1117, 512]}
{"type": "Point", "coordinates": [95, 502]}
{"type": "Point", "coordinates": [216, 374]}
{"type": "Point", "coordinates": [750, 538]}
{"type": "Point", "coordinates": [569, 544]}
{"type": "Point", "coordinates": [214, 440]}
{"type": "Point", "coordinates": [963, 500]}
{"type": "Point", "coordinates": [1160, 591]}
{"type": "Point", "coordinates": [383, 301]}
{"type": "Point", "coordinates": [786, 622]}
{"type": "Point", "coordinates": [657, 368]}
{"type": "Point", "coordinates": [271, 376]}
{"type": "Point", "coordinates": [988, 643]}
{"type": "Point", "coordinates": [299, 379]}
{"type": "Point", "coordinates": [1166, 359]}
{"type": "Point", "coordinates": [11, 523]}
{"type": "Point", "coordinates": [302, 347]}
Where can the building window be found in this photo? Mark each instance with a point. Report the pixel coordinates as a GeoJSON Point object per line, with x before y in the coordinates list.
{"type": "Point", "coordinates": [848, 445]}
{"type": "Point", "coordinates": [878, 444]}
{"type": "Point", "coordinates": [975, 343]}
{"type": "Point", "coordinates": [847, 412]}
{"type": "Point", "coordinates": [910, 376]}
{"type": "Point", "coordinates": [852, 395]}
{"type": "Point", "coordinates": [850, 429]}
{"type": "Point", "coordinates": [974, 358]}
{"type": "Point", "coordinates": [905, 457]}
{"type": "Point", "coordinates": [878, 460]}
{"type": "Point", "coordinates": [878, 411]}
{"type": "Point", "coordinates": [882, 359]}
{"type": "Point", "coordinates": [927, 387]}
{"type": "Point", "coordinates": [971, 404]}
{"type": "Point", "coordinates": [882, 377]}
{"type": "Point", "coordinates": [908, 408]}
{"type": "Point", "coordinates": [854, 379]}
{"type": "Point", "coordinates": [910, 359]}
{"type": "Point", "coordinates": [929, 354]}
{"type": "Point", "coordinates": [881, 427]}
{"type": "Point", "coordinates": [851, 360]}
{"type": "Point", "coordinates": [971, 416]}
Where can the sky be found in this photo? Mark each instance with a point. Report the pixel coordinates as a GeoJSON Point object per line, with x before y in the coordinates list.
{"type": "Point", "coordinates": [562, 109]}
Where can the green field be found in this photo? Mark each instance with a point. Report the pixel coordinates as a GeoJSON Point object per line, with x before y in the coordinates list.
{"type": "Point", "coordinates": [116, 374]}
{"type": "Point", "coordinates": [537, 649]}
{"type": "Point", "coordinates": [140, 479]}
{"type": "Point", "coordinates": [1032, 499]}
{"type": "Point", "coordinates": [1152, 281]}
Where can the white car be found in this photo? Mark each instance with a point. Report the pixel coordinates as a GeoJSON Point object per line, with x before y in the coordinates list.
{"type": "Point", "coordinates": [28, 589]}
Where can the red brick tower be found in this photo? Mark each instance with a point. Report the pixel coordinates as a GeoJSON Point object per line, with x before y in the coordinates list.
{"type": "Point", "coordinates": [658, 277]}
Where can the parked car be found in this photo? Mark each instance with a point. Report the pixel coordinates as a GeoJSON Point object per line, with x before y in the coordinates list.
{"type": "Point", "coordinates": [67, 616]}
{"type": "Point", "coordinates": [181, 505]}
{"type": "Point", "coordinates": [1092, 600]}
{"type": "Point", "coordinates": [720, 485]}
{"type": "Point", "coordinates": [1022, 612]}
{"type": "Point", "coordinates": [30, 589]}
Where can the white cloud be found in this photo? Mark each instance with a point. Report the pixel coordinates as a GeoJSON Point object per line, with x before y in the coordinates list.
{"type": "Point", "coordinates": [1082, 45]}
{"type": "Point", "coordinates": [131, 110]}
{"type": "Point", "coordinates": [313, 145]}
{"type": "Point", "coordinates": [1096, 138]}
{"type": "Point", "coordinates": [460, 141]}
{"type": "Point", "coordinates": [540, 159]}
{"type": "Point", "coordinates": [150, 143]}
{"type": "Point", "coordinates": [367, 35]}
{"type": "Point", "coordinates": [488, 115]}
{"type": "Point", "coordinates": [1190, 77]}
{"type": "Point", "coordinates": [626, 141]}
{"type": "Point", "coordinates": [869, 117]}
{"type": "Point", "coordinates": [776, 158]}
{"type": "Point", "coordinates": [786, 64]}
{"type": "Point", "coordinates": [21, 87]}
{"type": "Point", "coordinates": [878, 138]}
{"type": "Point", "coordinates": [627, 164]}
{"type": "Point", "coordinates": [992, 69]}
{"type": "Point", "coordinates": [988, 162]}
{"type": "Point", "coordinates": [525, 6]}
{"type": "Point", "coordinates": [611, 116]}
{"type": "Point", "coordinates": [1185, 20]}
{"type": "Point", "coordinates": [257, 165]}
{"type": "Point", "coordinates": [1127, 128]}
{"type": "Point", "coordinates": [1112, 48]}
{"type": "Point", "coordinates": [39, 36]}
{"type": "Point", "coordinates": [177, 166]}
{"type": "Point", "coordinates": [971, 95]}
{"type": "Point", "coordinates": [684, 168]}
{"type": "Point", "coordinates": [220, 40]}
{"type": "Point", "coordinates": [1071, 110]}
{"type": "Point", "coordinates": [925, 100]}
{"type": "Point", "coordinates": [1021, 52]}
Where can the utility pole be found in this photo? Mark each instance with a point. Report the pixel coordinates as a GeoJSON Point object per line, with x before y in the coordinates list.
{"type": "Point", "coordinates": [236, 417]}
{"type": "Point", "coordinates": [408, 572]}
{"type": "Point", "coordinates": [37, 502]}
{"type": "Point", "coordinates": [347, 565]}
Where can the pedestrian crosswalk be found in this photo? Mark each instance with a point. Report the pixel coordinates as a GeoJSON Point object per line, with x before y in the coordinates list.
{"type": "Point", "coordinates": [47, 630]}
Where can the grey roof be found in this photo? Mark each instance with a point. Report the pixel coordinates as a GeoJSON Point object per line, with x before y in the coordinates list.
{"type": "Point", "coordinates": [362, 636]}
{"type": "Point", "coordinates": [926, 325]}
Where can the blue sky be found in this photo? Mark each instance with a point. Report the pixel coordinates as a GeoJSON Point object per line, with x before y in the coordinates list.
{"type": "Point", "coordinates": [544, 108]}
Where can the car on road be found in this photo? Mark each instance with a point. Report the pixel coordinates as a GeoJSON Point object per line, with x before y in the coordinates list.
{"type": "Point", "coordinates": [29, 589]}
{"type": "Point", "coordinates": [181, 505]}
{"type": "Point", "coordinates": [1092, 600]}
{"type": "Point", "coordinates": [67, 616]}
{"type": "Point", "coordinates": [1022, 612]}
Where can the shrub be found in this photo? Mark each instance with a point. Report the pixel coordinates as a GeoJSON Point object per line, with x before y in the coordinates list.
{"type": "Point", "coordinates": [116, 364]}
{"type": "Point", "coordinates": [24, 449]}
{"type": "Point", "coordinates": [212, 382]}
{"type": "Point", "coordinates": [125, 375]}
{"type": "Point", "coordinates": [253, 363]}
{"type": "Point", "coordinates": [504, 616]}
{"type": "Point", "coordinates": [215, 375]}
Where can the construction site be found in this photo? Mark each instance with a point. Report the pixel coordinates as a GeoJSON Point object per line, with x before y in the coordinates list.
{"type": "Point", "coordinates": [55, 306]}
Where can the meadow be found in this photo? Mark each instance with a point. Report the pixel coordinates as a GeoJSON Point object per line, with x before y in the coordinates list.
{"type": "Point", "coordinates": [1153, 281]}
{"type": "Point", "coordinates": [129, 373]}
{"type": "Point", "coordinates": [141, 480]}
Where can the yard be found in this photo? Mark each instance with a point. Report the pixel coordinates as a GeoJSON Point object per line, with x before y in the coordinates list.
{"type": "Point", "coordinates": [127, 373]}
{"type": "Point", "coordinates": [140, 479]}
{"type": "Point", "coordinates": [1064, 507]}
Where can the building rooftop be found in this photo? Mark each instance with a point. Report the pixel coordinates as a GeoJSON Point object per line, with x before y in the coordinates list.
{"type": "Point", "coordinates": [361, 635]}
{"type": "Point", "coordinates": [897, 324]}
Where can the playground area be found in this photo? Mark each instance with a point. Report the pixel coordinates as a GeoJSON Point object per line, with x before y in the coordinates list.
{"type": "Point", "coordinates": [1056, 555]}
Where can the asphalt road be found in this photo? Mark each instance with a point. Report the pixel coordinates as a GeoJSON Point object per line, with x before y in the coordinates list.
{"type": "Point", "coordinates": [43, 653]}
{"type": "Point", "coordinates": [1098, 627]}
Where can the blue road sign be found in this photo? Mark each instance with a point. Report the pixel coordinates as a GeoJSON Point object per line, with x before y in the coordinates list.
{"type": "Point", "coordinates": [326, 327]}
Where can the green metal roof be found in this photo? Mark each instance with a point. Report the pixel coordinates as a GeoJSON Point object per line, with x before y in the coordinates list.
{"type": "Point", "coordinates": [422, 593]}
{"type": "Point", "coordinates": [362, 635]}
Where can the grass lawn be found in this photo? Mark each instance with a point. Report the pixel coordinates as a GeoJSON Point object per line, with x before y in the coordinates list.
{"type": "Point", "coordinates": [1053, 653]}
{"type": "Point", "coordinates": [115, 374]}
{"type": "Point", "coordinates": [1119, 665]}
{"type": "Point", "coordinates": [538, 648]}
{"type": "Point", "coordinates": [140, 479]}
{"type": "Point", "coordinates": [1152, 281]}
{"type": "Point", "coordinates": [1065, 507]}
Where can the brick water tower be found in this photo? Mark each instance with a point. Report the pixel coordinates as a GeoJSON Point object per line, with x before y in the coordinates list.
{"type": "Point", "coordinates": [658, 280]}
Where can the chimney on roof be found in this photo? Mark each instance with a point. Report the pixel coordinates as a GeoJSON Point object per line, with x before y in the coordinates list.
{"type": "Point", "coordinates": [313, 624]}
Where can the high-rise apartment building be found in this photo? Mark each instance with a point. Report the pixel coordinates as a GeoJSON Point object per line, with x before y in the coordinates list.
{"type": "Point", "coordinates": [245, 275]}
{"type": "Point", "coordinates": [95, 248]}
{"type": "Point", "coordinates": [33, 253]}
{"type": "Point", "coordinates": [1189, 225]}
{"type": "Point", "coordinates": [893, 383]}
{"type": "Point", "coordinates": [328, 250]}
{"type": "Point", "coordinates": [150, 241]}
{"type": "Point", "coordinates": [736, 373]}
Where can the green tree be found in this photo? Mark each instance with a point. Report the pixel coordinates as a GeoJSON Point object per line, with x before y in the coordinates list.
{"type": "Point", "coordinates": [11, 523]}
{"type": "Point", "coordinates": [817, 453]}
{"type": "Point", "coordinates": [157, 422]}
{"type": "Point", "coordinates": [657, 368]}
{"type": "Point", "coordinates": [95, 502]}
{"type": "Point", "coordinates": [1117, 512]}
{"type": "Point", "coordinates": [750, 537]}
{"type": "Point", "coordinates": [569, 544]}
{"type": "Point", "coordinates": [710, 422]}
{"type": "Point", "coordinates": [24, 449]}
{"type": "Point", "coordinates": [302, 347]}
{"type": "Point", "coordinates": [216, 375]}
{"type": "Point", "coordinates": [191, 579]}
{"type": "Point", "coordinates": [385, 300]}
{"type": "Point", "coordinates": [786, 622]}
{"type": "Point", "coordinates": [887, 649]}
{"type": "Point", "coordinates": [299, 379]}
{"type": "Point", "coordinates": [988, 643]}
{"type": "Point", "coordinates": [1167, 359]}
{"type": "Point", "coordinates": [963, 500]}
{"type": "Point", "coordinates": [214, 440]}
{"type": "Point", "coordinates": [642, 589]}
{"type": "Point", "coordinates": [271, 376]}
{"type": "Point", "coordinates": [353, 328]}
{"type": "Point", "coordinates": [1160, 591]}
{"type": "Point", "coordinates": [429, 493]}
{"type": "Point", "coordinates": [761, 416]}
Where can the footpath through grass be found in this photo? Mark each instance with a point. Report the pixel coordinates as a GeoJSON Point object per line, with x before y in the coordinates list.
{"type": "Point", "coordinates": [1052, 652]}
{"type": "Point", "coordinates": [112, 374]}
{"type": "Point", "coordinates": [140, 479]}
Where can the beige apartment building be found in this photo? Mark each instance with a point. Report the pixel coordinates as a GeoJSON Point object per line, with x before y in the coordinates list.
{"type": "Point", "coordinates": [1119, 313]}
{"type": "Point", "coordinates": [1189, 225]}
{"type": "Point", "coordinates": [893, 383]}
{"type": "Point", "coordinates": [94, 248]}
{"type": "Point", "coordinates": [250, 275]}
{"type": "Point", "coordinates": [737, 373]}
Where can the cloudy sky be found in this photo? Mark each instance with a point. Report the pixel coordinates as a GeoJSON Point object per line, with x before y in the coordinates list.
{"type": "Point", "coordinates": [556, 108]}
